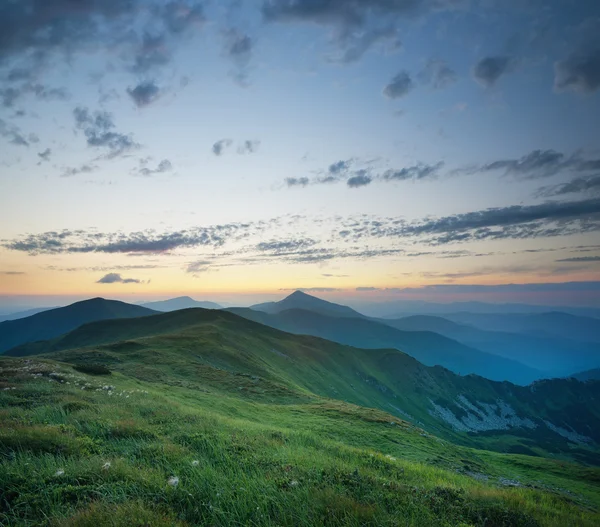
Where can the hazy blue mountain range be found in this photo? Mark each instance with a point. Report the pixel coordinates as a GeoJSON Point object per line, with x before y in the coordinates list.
{"type": "Point", "coordinates": [427, 347]}
{"type": "Point", "coordinates": [24, 314]}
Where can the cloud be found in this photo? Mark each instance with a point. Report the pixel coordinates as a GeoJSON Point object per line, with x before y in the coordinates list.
{"type": "Point", "coordinates": [220, 146]}
{"type": "Point", "coordinates": [12, 273]}
{"type": "Point", "coordinates": [364, 289]}
{"type": "Point", "coordinates": [581, 259]}
{"type": "Point", "coordinates": [589, 184]}
{"type": "Point", "coordinates": [286, 246]}
{"type": "Point", "coordinates": [437, 74]}
{"type": "Point", "coordinates": [538, 164]}
{"type": "Point", "coordinates": [312, 289]}
{"type": "Point", "coordinates": [12, 94]}
{"type": "Point", "coordinates": [144, 93]}
{"type": "Point", "coordinates": [297, 182]}
{"type": "Point", "coordinates": [33, 32]}
{"type": "Point", "coordinates": [415, 172]}
{"type": "Point", "coordinates": [45, 155]}
{"type": "Point", "coordinates": [14, 135]}
{"type": "Point", "coordinates": [238, 48]}
{"type": "Point", "coordinates": [549, 219]}
{"type": "Point", "coordinates": [361, 179]}
{"type": "Point", "coordinates": [151, 242]}
{"type": "Point", "coordinates": [399, 86]}
{"type": "Point", "coordinates": [164, 166]}
{"type": "Point", "coordinates": [354, 46]}
{"type": "Point", "coordinates": [250, 146]}
{"type": "Point", "coordinates": [82, 169]}
{"type": "Point", "coordinates": [115, 278]}
{"type": "Point", "coordinates": [98, 130]}
{"type": "Point", "coordinates": [489, 69]}
{"type": "Point", "coordinates": [580, 72]}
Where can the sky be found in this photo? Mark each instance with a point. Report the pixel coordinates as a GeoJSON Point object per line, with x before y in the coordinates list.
{"type": "Point", "coordinates": [374, 149]}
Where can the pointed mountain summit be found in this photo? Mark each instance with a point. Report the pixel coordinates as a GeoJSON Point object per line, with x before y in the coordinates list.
{"type": "Point", "coordinates": [301, 300]}
{"type": "Point", "coordinates": [55, 322]}
{"type": "Point", "coordinates": [181, 302]}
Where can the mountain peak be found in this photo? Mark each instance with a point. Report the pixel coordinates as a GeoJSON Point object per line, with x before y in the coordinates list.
{"type": "Point", "coordinates": [301, 294]}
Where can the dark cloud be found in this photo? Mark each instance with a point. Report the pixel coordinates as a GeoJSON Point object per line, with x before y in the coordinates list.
{"type": "Point", "coordinates": [579, 72]}
{"type": "Point", "coordinates": [144, 93]}
{"type": "Point", "coordinates": [98, 129]}
{"type": "Point", "coordinates": [238, 48]}
{"type": "Point", "coordinates": [12, 273]}
{"type": "Point", "coordinates": [437, 74]}
{"type": "Point", "coordinates": [581, 259]}
{"type": "Point", "coordinates": [363, 289]}
{"type": "Point", "coordinates": [589, 184]}
{"type": "Point", "coordinates": [361, 179]}
{"type": "Point", "coordinates": [164, 166]}
{"type": "Point", "coordinates": [399, 86]}
{"type": "Point", "coordinates": [489, 69]}
{"type": "Point", "coordinates": [34, 30]}
{"type": "Point", "coordinates": [416, 172]}
{"type": "Point", "coordinates": [516, 222]}
{"type": "Point", "coordinates": [538, 164]}
{"type": "Point", "coordinates": [115, 278]}
{"type": "Point", "coordinates": [249, 146]}
{"type": "Point", "coordinates": [12, 94]}
{"type": "Point", "coordinates": [219, 147]}
{"type": "Point", "coordinates": [354, 46]}
{"type": "Point", "coordinates": [45, 155]}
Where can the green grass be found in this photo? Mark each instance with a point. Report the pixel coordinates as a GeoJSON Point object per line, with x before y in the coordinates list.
{"type": "Point", "coordinates": [248, 449]}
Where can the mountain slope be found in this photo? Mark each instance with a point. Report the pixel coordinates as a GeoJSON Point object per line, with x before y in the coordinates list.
{"type": "Point", "coordinates": [181, 302]}
{"type": "Point", "coordinates": [218, 350]}
{"type": "Point", "coordinates": [300, 300]}
{"type": "Point", "coordinates": [55, 322]}
{"type": "Point", "coordinates": [427, 347]}
{"type": "Point", "coordinates": [556, 356]}
{"type": "Point", "coordinates": [169, 440]}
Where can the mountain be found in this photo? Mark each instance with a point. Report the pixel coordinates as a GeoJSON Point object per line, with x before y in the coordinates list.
{"type": "Point", "coordinates": [210, 346]}
{"type": "Point", "coordinates": [553, 324]}
{"type": "Point", "coordinates": [300, 300]}
{"type": "Point", "coordinates": [182, 302]}
{"type": "Point", "coordinates": [403, 308]}
{"type": "Point", "coordinates": [589, 375]}
{"type": "Point", "coordinates": [427, 347]}
{"type": "Point", "coordinates": [200, 417]}
{"type": "Point", "coordinates": [24, 314]}
{"type": "Point", "coordinates": [55, 322]}
{"type": "Point", "coordinates": [556, 356]}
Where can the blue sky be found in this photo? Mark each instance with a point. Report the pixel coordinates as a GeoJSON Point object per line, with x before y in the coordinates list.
{"type": "Point", "coordinates": [245, 148]}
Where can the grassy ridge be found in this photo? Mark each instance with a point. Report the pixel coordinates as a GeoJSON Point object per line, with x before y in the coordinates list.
{"type": "Point", "coordinates": [222, 348]}
{"type": "Point", "coordinates": [79, 449]}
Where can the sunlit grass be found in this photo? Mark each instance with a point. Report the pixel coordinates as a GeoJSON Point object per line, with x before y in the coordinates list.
{"type": "Point", "coordinates": [119, 451]}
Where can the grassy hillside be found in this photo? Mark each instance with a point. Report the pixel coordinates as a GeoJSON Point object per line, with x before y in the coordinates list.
{"type": "Point", "coordinates": [589, 375]}
{"type": "Point", "coordinates": [176, 348]}
{"type": "Point", "coordinates": [555, 356]}
{"type": "Point", "coordinates": [155, 445]}
{"type": "Point", "coordinates": [427, 347]}
{"type": "Point", "coordinates": [55, 322]}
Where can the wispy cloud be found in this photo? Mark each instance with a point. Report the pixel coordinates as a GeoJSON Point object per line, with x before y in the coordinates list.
{"type": "Point", "coordinates": [116, 278]}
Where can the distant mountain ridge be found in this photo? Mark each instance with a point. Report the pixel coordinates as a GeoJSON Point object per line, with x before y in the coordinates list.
{"type": "Point", "coordinates": [301, 300]}
{"type": "Point", "coordinates": [427, 347]}
{"type": "Point", "coordinates": [23, 314]}
{"type": "Point", "coordinates": [181, 302]}
{"type": "Point", "coordinates": [555, 355]}
{"type": "Point", "coordinates": [54, 322]}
